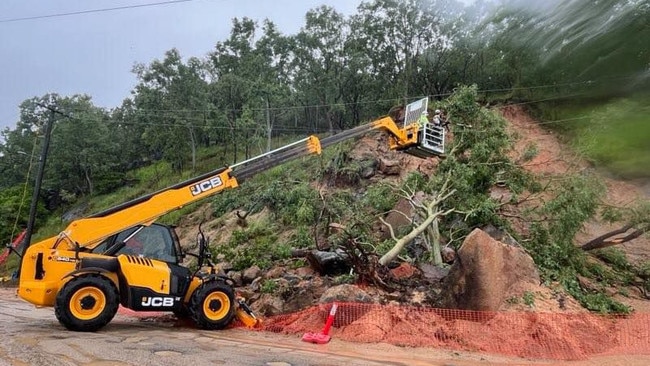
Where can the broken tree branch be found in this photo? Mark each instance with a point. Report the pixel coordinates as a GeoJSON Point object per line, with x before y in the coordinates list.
{"type": "Point", "coordinates": [609, 239]}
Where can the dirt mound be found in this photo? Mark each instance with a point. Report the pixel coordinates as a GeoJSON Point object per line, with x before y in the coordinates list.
{"type": "Point", "coordinates": [523, 334]}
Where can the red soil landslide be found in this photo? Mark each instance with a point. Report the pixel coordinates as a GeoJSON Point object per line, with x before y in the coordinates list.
{"type": "Point", "coordinates": [554, 159]}
{"type": "Point", "coordinates": [557, 335]}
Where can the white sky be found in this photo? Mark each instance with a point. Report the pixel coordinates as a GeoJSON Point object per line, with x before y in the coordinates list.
{"type": "Point", "coordinates": [93, 53]}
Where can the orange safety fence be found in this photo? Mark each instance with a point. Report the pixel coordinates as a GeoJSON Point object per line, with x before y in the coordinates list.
{"type": "Point", "coordinates": [556, 336]}
{"type": "Point", "coordinates": [14, 244]}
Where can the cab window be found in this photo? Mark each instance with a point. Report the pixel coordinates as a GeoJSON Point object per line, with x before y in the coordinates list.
{"type": "Point", "coordinates": [153, 242]}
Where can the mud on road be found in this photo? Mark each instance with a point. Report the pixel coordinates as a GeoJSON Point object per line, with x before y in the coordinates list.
{"type": "Point", "coordinates": [32, 336]}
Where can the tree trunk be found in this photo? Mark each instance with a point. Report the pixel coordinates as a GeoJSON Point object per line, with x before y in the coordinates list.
{"type": "Point", "coordinates": [269, 126]}
{"type": "Point", "coordinates": [434, 235]}
{"type": "Point", "coordinates": [401, 243]}
{"type": "Point", "coordinates": [432, 215]}
{"type": "Point", "coordinates": [89, 181]}
{"type": "Point", "coordinates": [233, 136]}
{"type": "Point", "coordinates": [193, 146]}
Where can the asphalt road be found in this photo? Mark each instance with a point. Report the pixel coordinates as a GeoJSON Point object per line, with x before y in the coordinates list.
{"type": "Point", "coordinates": [32, 336]}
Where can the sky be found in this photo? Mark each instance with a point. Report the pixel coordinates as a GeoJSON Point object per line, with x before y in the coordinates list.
{"type": "Point", "coordinates": [94, 53]}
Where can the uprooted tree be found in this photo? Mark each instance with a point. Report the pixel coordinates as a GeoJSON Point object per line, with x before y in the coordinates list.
{"type": "Point", "coordinates": [453, 200]}
{"type": "Point", "coordinates": [428, 212]}
{"type": "Point", "coordinates": [543, 213]}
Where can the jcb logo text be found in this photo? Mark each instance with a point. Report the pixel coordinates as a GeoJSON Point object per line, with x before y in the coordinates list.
{"type": "Point", "coordinates": [158, 301]}
{"type": "Point", "coordinates": [206, 185]}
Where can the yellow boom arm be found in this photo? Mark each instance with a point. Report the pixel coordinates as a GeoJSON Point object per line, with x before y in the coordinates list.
{"type": "Point", "coordinates": [89, 232]}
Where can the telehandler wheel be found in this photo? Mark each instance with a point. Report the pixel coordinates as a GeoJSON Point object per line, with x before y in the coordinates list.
{"type": "Point", "coordinates": [86, 303]}
{"type": "Point", "coordinates": [182, 313]}
{"type": "Point", "coordinates": [213, 305]}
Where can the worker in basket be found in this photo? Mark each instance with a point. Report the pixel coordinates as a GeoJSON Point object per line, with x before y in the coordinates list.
{"type": "Point", "coordinates": [440, 120]}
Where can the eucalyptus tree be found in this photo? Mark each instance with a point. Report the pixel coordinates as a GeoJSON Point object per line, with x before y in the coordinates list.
{"type": "Point", "coordinates": [272, 82]}
{"type": "Point", "coordinates": [232, 68]}
{"type": "Point", "coordinates": [318, 65]}
{"type": "Point", "coordinates": [84, 158]}
{"type": "Point", "coordinates": [406, 40]}
{"type": "Point", "coordinates": [125, 128]}
{"type": "Point", "coordinates": [171, 98]}
{"type": "Point", "coordinates": [16, 152]}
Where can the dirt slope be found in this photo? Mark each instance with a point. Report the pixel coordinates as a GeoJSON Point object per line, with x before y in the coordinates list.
{"type": "Point", "coordinates": [555, 159]}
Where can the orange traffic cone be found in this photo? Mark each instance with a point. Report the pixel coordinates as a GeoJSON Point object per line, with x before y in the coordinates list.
{"type": "Point", "coordinates": [322, 337]}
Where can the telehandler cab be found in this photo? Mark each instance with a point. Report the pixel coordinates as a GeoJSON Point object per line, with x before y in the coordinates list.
{"type": "Point", "coordinates": [121, 256]}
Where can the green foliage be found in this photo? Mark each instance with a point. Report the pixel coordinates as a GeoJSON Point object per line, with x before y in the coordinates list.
{"type": "Point", "coordinates": [476, 162]}
{"type": "Point", "coordinates": [13, 201]}
{"type": "Point", "coordinates": [284, 190]}
{"type": "Point", "coordinates": [298, 263]}
{"type": "Point", "coordinates": [230, 200]}
{"type": "Point", "coordinates": [345, 279]}
{"type": "Point", "coordinates": [416, 181]}
{"type": "Point", "coordinates": [381, 197]}
{"type": "Point", "coordinates": [551, 244]}
{"type": "Point", "coordinates": [301, 238]}
{"type": "Point", "coordinates": [644, 270]}
{"type": "Point", "coordinates": [269, 286]}
{"type": "Point", "coordinates": [594, 301]}
{"type": "Point", "coordinates": [530, 152]}
{"type": "Point", "coordinates": [614, 257]}
{"type": "Point", "coordinates": [384, 246]}
{"type": "Point", "coordinates": [293, 204]}
{"type": "Point", "coordinates": [529, 298]}
{"type": "Point", "coordinates": [154, 175]}
{"type": "Point", "coordinates": [256, 245]}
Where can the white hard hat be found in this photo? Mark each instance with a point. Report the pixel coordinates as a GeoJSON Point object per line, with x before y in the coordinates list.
{"type": "Point", "coordinates": [437, 111]}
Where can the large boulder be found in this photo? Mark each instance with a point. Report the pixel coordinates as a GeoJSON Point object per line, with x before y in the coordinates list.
{"type": "Point", "coordinates": [251, 273]}
{"type": "Point", "coordinates": [486, 274]}
{"type": "Point", "coordinates": [350, 298]}
{"type": "Point", "coordinates": [390, 167]}
{"type": "Point", "coordinates": [268, 305]}
{"type": "Point", "coordinates": [345, 293]}
{"type": "Point", "coordinates": [399, 217]}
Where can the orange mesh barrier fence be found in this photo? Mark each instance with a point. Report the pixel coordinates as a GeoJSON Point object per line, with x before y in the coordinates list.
{"type": "Point", "coordinates": [558, 336]}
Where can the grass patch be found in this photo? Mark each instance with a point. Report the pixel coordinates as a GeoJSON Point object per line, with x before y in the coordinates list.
{"type": "Point", "coordinates": [613, 134]}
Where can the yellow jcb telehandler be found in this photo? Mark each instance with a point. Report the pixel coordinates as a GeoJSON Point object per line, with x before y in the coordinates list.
{"type": "Point", "coordinates": [121, 256]}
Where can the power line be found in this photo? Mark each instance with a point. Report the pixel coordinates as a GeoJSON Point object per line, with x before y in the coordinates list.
{"type": "Point", "coordinates": [166, 114]}
{"type": "Point", "coordinates": [154, 112]}
{"type": "Point", "coordinates": [187, 115]}
{"type": "Point", "coordinates": [101, 10]}
{"type": "Point", "coordinates": [378, 101]}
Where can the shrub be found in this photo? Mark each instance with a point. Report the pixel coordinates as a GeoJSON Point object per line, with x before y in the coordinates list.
{"type": "Point", "coordinates": [381, 197]}
{"type": "Point", "coordinates": [256, 245]}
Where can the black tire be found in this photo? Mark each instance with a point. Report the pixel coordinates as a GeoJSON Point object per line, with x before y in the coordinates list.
{"type": "Point", "coordinates": [86, 303]}
{"type": "Point", "coordinates": [213, 305]}
{"type": "Point", "coordinates": [182, 313]}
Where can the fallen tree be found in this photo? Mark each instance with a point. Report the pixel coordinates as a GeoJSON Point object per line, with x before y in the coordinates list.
{"type": "Point", "coordinates": [430, 212]}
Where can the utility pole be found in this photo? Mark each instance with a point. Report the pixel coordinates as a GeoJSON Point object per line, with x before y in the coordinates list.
{"type": "Point", "coordinates": [37, 186]}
